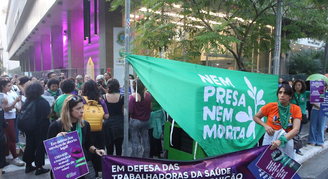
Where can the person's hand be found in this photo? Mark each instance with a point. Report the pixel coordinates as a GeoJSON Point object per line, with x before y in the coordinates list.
{"type": "Point", "coordinates": [100, 152]}
{"type": "Point", "coordinates": [19, 98]}
{"type": "Point", "coordinates": [269, 130]}
{"type": "Point", "coordinates": [275, 144]}
{"type": "Point", "coordinates": [61, 134]}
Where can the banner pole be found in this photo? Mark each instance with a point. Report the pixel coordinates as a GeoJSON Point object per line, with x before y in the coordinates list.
{"type": "Point", "coordinates": [126, 78]}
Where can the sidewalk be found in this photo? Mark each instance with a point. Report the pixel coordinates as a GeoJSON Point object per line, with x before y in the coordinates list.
{"type": "Point", "coordinates": [309, 151]}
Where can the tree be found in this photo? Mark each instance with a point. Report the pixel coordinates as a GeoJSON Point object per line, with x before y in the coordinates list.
{"type": "Point", "coordinates": [306, 62]}
{"type": "Point", "coordinates": [232, 27]}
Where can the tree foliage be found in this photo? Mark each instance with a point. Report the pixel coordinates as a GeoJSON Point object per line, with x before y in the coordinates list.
{"type": "Point", "coordinates": [306, 62]}
{"type": "Point", "coordinates": [233, 27]}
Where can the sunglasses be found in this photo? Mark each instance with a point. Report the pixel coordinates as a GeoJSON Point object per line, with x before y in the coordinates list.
{"type": "Point", "coordinates": [75, 98]}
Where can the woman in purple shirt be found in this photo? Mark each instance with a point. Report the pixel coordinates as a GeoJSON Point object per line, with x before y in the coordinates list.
{"type": "Point", "coordinates": [139, 109]}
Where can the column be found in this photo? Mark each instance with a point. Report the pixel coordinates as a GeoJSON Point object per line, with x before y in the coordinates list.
{"type": "Point", "coordinates": [75, 40]}
{"type": "Point", "coordinates": [45, 52]}
{"type": "Point", "coordinates": [56, 47]}
{"type": "Point", "coordinates": [107, 21]}
{"type": "Point", "coordinates": [37, 55]}
{"type": "Point", "coordinates": [32, 58]}
{"type": "Point", "coordinates": [27, 60]}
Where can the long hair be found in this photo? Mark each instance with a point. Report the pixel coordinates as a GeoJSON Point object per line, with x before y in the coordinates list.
{"type": "Point", "coordinates": [139, 87]}
{"type": "Point", "coordinates": [303, 89]}
{"type": "Point", "coordinates": [70, 102]}
{"type": "Point", "coordinates": [113, 85]}
{"type": "Point", "coordinates": [90, 90]}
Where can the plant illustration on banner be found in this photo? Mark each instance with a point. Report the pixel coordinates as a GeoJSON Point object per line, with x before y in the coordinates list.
{"type": "Point", "coordinates": [245, 117]}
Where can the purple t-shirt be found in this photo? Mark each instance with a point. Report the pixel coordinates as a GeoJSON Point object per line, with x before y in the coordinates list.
{"type": "Point", "coordinates": [103, 104]}
{"type": "Point", "coordinates": [140, 110]}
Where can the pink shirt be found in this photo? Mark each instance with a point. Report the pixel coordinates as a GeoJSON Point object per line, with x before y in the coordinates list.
{"type": "Point", "coordinates": [140, 110]}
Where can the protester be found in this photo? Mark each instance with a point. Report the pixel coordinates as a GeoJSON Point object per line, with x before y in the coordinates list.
{"type": "Point", "coordinates": [300, 98]}
{"type": "Point", "coordinates": [34, 78]}
{"type": "Point", "coordinates": [113, 126]}
{"type": "Point", "coordinates": [10, 116]}
{"type": "Point", "coordinates": [317, 125]}
{"type": "Point", "coordinates": [53, 90]}
{"type": "Point", "coordinates": [79, 82]}
{"type": "Point", "coordinates": [87, 78]}
{"type": "Point", "coordinates": [35, 150]}
{"type": "Point", "coordinates": [107, 77]}
{"type": "Point", "coordinates": [139, 109]}
{"type": "Point", "coordinates": [71, 120]}
{"type": "Point", "coordinates": [156, 122]}
{"type": "Point", "coordinates": [52, 75]}
{"type": "Point", "coordinates": [101, 84]}
{"type": "Point", "coordinates": [3, 125]}
{"type": "Point", "coordinates": [90, 91]}
{"type": "Point", "coordinates": [280, 82]}
{"type": "Point", "coordinates": [283, 121]}
{"type": "Point", "coordinates": [67, 87]}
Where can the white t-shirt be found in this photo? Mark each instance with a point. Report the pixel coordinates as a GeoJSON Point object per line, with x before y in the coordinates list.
{"type": "Point", "coordinates": [10, 96]}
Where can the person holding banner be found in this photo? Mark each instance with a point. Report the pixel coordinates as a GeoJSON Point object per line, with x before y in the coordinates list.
{"type": "Point", "coordinates": [317, 125]}
{"type": "Point", "coordinates": [300, 99]}
{"type": "Point", "coordinates": [139, 108]}
{"type": "Point", "coordinates": [71, 120]}
{"type": "Point", "coordinates": [283, 121]}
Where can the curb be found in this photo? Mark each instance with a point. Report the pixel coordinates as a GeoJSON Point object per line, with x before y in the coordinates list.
{"type": "Point", "coordinates": [310, 151]}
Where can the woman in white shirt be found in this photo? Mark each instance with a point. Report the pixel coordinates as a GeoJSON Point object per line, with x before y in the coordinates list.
{"type": "Point", "coordinates": [10, 115]}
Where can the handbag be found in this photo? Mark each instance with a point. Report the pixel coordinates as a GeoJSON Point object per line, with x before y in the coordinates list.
{"type": "Point", "coordinates": [305, 119]}
{"type": "Point", "coordinates": [298, 143]}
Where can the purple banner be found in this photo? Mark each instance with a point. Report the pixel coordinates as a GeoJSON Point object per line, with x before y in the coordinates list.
{"type": "Point", "coordinates": [260, 174]}
{"type": "Point", "coordinates": [277, 164]}
{"type": "Point", "coordinates": [317, 89]}
{"type": "Point", "coordinates": [233, 165]}
{"type": "Point", "coordinates": [66, 156]}
{"type": "Point", "coordinates": [324, 106]}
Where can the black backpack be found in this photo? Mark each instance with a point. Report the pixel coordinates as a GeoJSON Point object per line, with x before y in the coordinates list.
{"type": "Point", "coordinates": [26, 118]}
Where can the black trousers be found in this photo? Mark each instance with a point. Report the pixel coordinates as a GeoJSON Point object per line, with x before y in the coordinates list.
{"type": "Point", "coordinates": [155, 145]}
{"type": "Point", "coordinates": [98, 141]}
{"type": "Point", "coordinates": [34, 150]}
{"type": "Point", "coordinates": [117, 143]}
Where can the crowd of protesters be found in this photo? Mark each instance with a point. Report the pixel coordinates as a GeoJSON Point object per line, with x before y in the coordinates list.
{"type": "Point", "coordinates": [65, 111]}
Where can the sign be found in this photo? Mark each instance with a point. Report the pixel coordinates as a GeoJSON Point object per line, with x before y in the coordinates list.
{"type": "Point", "coordinates": [324, 106]}
{"type": "Point", "coordinates": [66, 156]}
{"type": "Point", "coordinates": [259, 173]}
{"type": "Point", "coordinates": [277, 164]}
{"type": "Point", "coordinates": [233, 165]}
{"type": "Point", "coordinates": [214, 106]}
{"type": "Point", "coordinates": [317, 89]}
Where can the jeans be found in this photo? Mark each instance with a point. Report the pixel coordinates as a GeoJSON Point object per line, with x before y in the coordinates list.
{"type": "Point", "coordinates": [139, 128]}
{"type": "Point", "coordinates": [317, 128]}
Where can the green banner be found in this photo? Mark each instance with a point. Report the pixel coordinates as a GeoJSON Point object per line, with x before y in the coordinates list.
{"type": "Point", "coordinates": [214, 106]}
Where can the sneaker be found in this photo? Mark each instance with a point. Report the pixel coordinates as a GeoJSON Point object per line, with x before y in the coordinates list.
{"type": "Point", "coordinates": [299, 152]}
{"type": "Point", "coordinates": [18, 162]}
{"type": "Point", "coordinates": [9, 157]}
